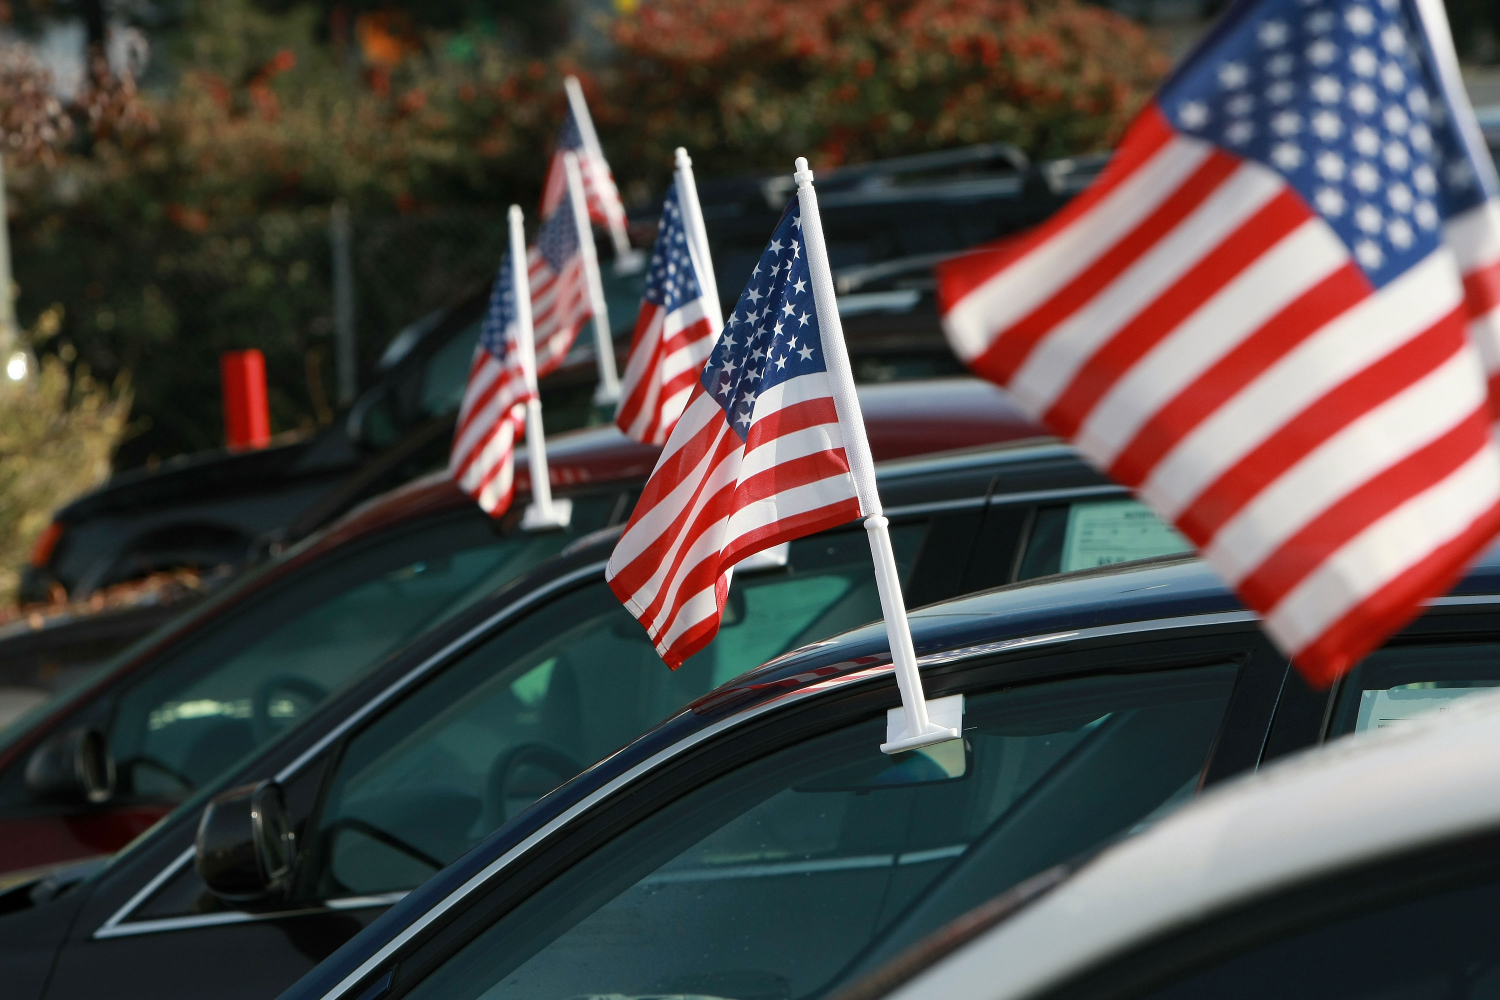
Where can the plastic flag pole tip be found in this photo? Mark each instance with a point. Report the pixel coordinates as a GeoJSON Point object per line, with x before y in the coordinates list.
{"type": "Point", "coordinates": [557, 515]}
{"type": "Point", "coordinates": [945, 718]}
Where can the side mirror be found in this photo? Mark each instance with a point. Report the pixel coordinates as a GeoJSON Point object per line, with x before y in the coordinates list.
{"type": "Point", "coordinates": [74, 767]}
{"type": "Point", "coordinates": [245, 846]}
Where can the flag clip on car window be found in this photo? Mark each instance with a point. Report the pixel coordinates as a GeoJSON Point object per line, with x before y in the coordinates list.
{"type": "Point", "coordinates": [543, 513]}
{"type": "Point", "coordinates": [918, 722]}
{"type": "Point", "coordinates": [608, 391]}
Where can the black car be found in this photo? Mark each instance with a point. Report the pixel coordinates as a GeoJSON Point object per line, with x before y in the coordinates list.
{"type": "Point", "coordinates": [759, 845]}
{"type": "Point", "coordinates": [413, 764]}
{"type": "Point", "coordinates": [888, 222]}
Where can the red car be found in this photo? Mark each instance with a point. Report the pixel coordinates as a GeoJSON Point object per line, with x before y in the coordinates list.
{"type": "Point", "coordinates": [91, 769]}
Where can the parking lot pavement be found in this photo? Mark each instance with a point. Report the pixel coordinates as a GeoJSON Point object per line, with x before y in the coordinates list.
{"type": "Point", "coordinates": [15, 700]}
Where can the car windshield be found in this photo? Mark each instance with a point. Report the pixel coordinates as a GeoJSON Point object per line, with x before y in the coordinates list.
{"type": "Point", "coordinates": [254, 671]}
{"type": "Point", "coordinates": [792, 873]}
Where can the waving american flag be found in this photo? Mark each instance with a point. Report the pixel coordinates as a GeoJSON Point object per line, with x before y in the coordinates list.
{"type": "Point", "coordinates": [756, 459]}
{"type": "Point", "coordinates": [493, 412]}
{"type": "Point", "coordinates": [674, 332]}
{"type": "Point", "coordinates": [559, 290]}
{"type": "Point", "coordinates": [1256, 317]}
{"type": "Point", "coordinates": [578, 137]}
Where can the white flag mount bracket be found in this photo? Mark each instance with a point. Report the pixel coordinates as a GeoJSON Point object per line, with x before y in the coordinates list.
{"type": "Point", "coordinates": [920, 722]}
{"type": "Point", "coordinates": [557, 516]}
{"type": "Point", "coordinates": [632, 261]}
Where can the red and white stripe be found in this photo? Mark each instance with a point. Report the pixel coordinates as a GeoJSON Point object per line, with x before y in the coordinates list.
{"type": "Point", "coordinates": [560, 307]}
{"type": "Point", "coordinates": [599, 190]}
{"type": "Point", "coordinates": [714, 499]}
{"type": "Point", "coordinates": [666, 360]}
{"type": "Point", "coordinates": [1204, 337]}
{"type": "Point", "coordinates": [490, 421]}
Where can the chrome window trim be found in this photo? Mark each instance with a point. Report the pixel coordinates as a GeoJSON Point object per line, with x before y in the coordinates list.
{"type": "Point", "coordinates": [241, 917]}
{"type": "Point", "coordinates": [739, 718]}
{"type": "Point", "coordinates": [1062, 493]}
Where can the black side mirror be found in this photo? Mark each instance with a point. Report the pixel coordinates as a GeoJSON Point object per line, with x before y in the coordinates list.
{"type": "Point", "coordinates": [245, 846]}
{"type": "Point", "coordinates": [74, 767]}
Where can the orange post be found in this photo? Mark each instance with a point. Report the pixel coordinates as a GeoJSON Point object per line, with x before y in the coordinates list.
{"type": "Point", "coordinates": [247, 416]}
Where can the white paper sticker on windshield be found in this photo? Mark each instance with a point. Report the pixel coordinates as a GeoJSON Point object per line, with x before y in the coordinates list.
{"type": "Point", "coordinates": [1389, 707]}
{"type": "Point", "coordinates": [1104, 532]}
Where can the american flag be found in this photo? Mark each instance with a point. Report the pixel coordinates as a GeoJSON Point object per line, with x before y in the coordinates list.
{"type": "Point", "coordinates": [674, 333]}
{"type": "Point", "coordinates": [493, 413]}
{"type": "Point", "coordinates": [1256, 318]}
{"type": "Point", "coordinates": [559, 290]}
{"type": "Point", "coordinates": [600, 193]}
{"type": "Point", "coordinates": [756, 459]}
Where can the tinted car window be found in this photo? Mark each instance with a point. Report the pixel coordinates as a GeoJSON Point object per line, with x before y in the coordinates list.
{"type": "Point", "coordinates": [260, 670]}
{"type": "Point", "coordinates": [773, 880]}
{"type": "Point", "coordinates": [561, 689]}
{"type": "Point", "coordinates": [1400, 683]}
{"type": "Point", "coordinates": [1088, 533]}
{"type": "Point", "coordinates": [1442, 945]}
{"type": "Point", "coordinates": [447, 372]}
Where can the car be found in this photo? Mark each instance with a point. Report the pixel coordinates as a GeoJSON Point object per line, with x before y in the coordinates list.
{"type": "Point", "coordinates": [1361, 871]}
{"type": "Point", "coordinates": [894, 218]}
{"type": "Point", "coordinates": [758, 844]}
{"type": "Point", "coordinates": [413, 764]}
{"type": "Point", "coordinates": [165, 718]}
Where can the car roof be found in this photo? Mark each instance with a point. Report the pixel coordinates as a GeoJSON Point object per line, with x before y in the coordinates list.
{"type": "Point", "coordinates": [1358, 800]}
{"type": "Point", "coordinates": [1164, 593]}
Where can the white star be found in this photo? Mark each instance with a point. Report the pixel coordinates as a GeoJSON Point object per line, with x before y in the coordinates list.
{"type": "Point", "coordinates": [1319, 22]}
{"type": "Point", "coordinates": [780, 363]}
{"type": "Point", "coordinates": [1367, 140]}
{"type": "Point", "coordinates": [1420, 138]}
{"type": "Point", "coordinates": [801, 321]}
{"type": "Point", "coordinates": [1396, 119]}
{"type": "Point", "coordinates": [1240, 133]}
{"type": "Point", "coordinates": [1400, 197]}
{"type": "Point", "coordinates": [806, 352]}
{"type": "Point", "coordinates": [1396, 157]}
{"type": "Point", "coordinates": [753, 295]}
{"type": "Point", "coordinates": [1287, 123]}
{"type": "Point", "coordinates": [791, 345]}
{"type": "Point", "coordinates": [1193, 114]}
{"type": "Point", "coordinates": [1426, 215]}
{"type": "Point", "coordinates": [729, 341]}
{"type": "Point", "coordinates": [1364, 62]}
{"type": "Point", "coordinates": [1233, 74]}
{"type": "Point", "coordinates": [1330, 166]}
{"type": "Point", "coordinates": [1362, 98]}
{"type": "Point", "coordinates": [1368, 218]}
{"type": "Point", "coordinates": [796, 249]}
{"type": "Point", "coordinates": [1240, 105]}
{"type": "Point", "coordinates": [1330, 202]}
{"type": "Point", "coordinates": [1327, 89]}
{"type": "Point", "coordinates": [749, 399]}
{"type": "Point", "coordinates": [797, 221]}
{"type": "Point", "coordinates": [1400, 234]}
{"type": "Point", "coordinates": [1281, 91]}
{"type": "Point", "coordinates": [744, 418]}
{"type": "Point", "coordinates": [756, 272]}
{"type": "Point", "coordinates": [1393, 39]}
{"type": "Point", "coordinates": [1424, 179]}
{"type": "Point", "coordinates": [1365, 177]}
{"type": "Point", "coordinates": [1369, 254]}
{"type": "Point", "coordinates": [800, 286]}
{"type": "Point", "coordinates": [775, 246]}
{"type": "Point", "coordinates": [1360, 20]}
{"type": "Point", "coordinates": [778, 328]}
{"type": "Point", "coordinates": [724, 387]}
{"type": "Point", "coordinates": [757, 354]}
{"type": "Point", "coordinates": [1392, 76]}
{"type": "Point", "coordinates": [1272, 33]}
{"type": "Point", "coordinates": [787, 309]}
{"type": "Point", "coordinates": [1282, 64]}
{"type": "Point", "coordinates": [1417, 100]}
{"type": "Point", "coordinates": [1327, 125]}
{"type": "Point", "coordinates": [1322, 53]}
{"type": "Point", "coordinates": [1287, 156]}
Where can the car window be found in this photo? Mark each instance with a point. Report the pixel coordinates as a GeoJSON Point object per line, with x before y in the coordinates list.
{"type": "Point", "coordinates": [1088, 533]}
{"type": "Point", "coordinates": [258, 671]}
{"type": "Point", "coordinates": [447, 372]}
{"type": "Point", "coordinates": [1444, 944]}
{"type": "Point", "coordinates": [562, 688]}
{"type": "Point", "coordinates": [1400, 683]}
{"type": "Point", "coordinates": [775, 879]}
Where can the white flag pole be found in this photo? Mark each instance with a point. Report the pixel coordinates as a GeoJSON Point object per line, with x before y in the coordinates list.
{"type": "Point", "coordinates": [544, 512]}
{"type": "Point", "coordinates": [918, 722]}
{"type": "Point", "coordinates": [692, 213]}
{"type": "Point", "coordinates": [608, 391]}
{"type": "Point", "coordinates": [631, 259]}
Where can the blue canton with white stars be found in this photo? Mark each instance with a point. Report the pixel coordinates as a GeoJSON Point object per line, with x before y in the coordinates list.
{"type": "Point", "coordinates": [500, 313]}
{"type": "Point", "coordinates": [772, 335]}
{"type": "Point", "coordinates": [671, 281]}
{"type": "Point", "coordinates": [1340, 98]}
{"type": "Point", "coordinates": [558, 238]}
{"type": "Point", "coordinates": [570, 136]}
